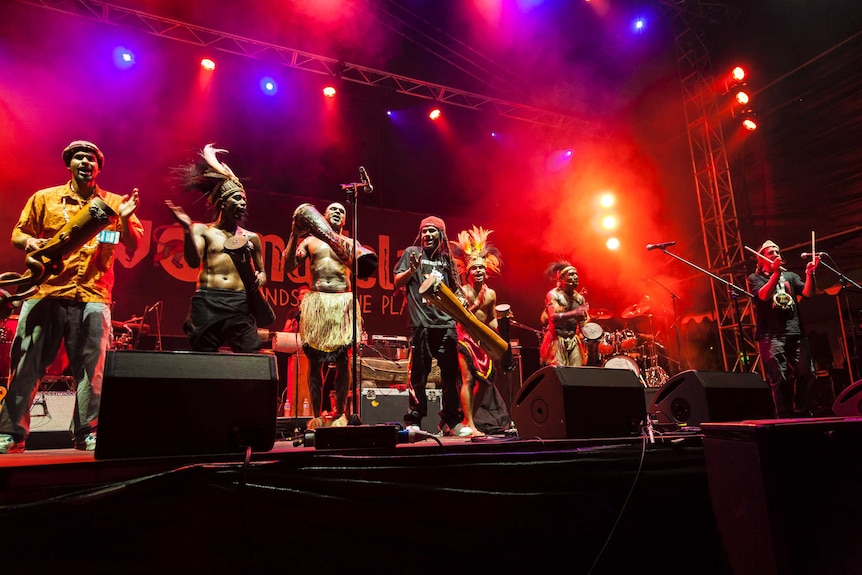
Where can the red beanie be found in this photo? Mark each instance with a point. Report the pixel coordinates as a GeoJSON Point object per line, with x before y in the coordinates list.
{"type": "Point", "coordinates": [433, 221]}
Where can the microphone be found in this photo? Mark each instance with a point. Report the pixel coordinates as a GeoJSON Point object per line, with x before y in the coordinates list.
{"type": "Point", "coordinates": [806, 255]}
{"type": "Point", "coordinates": [660, 246]}
{"type": "Point", "coordinates": [363, 175]}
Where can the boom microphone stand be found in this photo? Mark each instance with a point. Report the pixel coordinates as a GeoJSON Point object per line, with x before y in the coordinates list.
{"type": "Point", "coordinates": [735, 290]}
{"type": "Point", "coordinates": [673, 298]}
{"type": "Point", "coordinates": [844, 280]}
{"type": "Point", "coordinates": [352, 198]}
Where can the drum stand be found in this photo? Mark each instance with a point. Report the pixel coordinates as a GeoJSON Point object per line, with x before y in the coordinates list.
{"type": "Point", "coordinates": [295, 407]}
{"type": "Point", "coordinates": [654, 374]}
{"type": "Point", "coordinates": [673, 298]}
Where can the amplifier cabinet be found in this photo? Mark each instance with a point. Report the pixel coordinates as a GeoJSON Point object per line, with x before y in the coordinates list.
{"type": "Point", "coordinates": [389, 404]}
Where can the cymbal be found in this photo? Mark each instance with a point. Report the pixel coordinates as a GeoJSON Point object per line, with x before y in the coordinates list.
{"type": "Point", "coordinates": [635, 310]}
{"type": "Point", "coordinates": [600, 313]}
{"type": "Point", "coordinates": [145, 328]}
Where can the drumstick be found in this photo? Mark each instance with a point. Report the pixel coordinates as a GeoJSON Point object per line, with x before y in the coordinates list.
{"type": "Point", "coordinates": [760, 255]}
{"type": "Point", "coordinates": [812, 246]}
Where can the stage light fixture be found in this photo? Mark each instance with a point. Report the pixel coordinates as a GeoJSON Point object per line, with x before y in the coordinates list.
{"type": "Point", "coordinates": [613, 243]}
{"type": "Point", "coordinates": [123, 57]}
{"type": "Point", "coordinates": [606, 200]}
{"type": "Point", "coordinates": [435, 114]}
{"type": "Point", "coordinates": [268, 86]}
{"type": "Point", "coordinates": [208, 64]}
{"type": "Point", "coordinates": [741, 107]}
{"type": "Point", "coordinates": [609, 222]}
{"type": "Point", "coordinates": [329, 91]}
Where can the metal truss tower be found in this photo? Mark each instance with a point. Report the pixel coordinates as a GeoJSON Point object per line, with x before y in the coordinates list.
{"type": "Point", "coordinates": [722, 241]}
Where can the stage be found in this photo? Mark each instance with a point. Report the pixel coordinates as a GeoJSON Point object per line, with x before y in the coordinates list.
{"type": "Point", "coordinates": [670, 503]}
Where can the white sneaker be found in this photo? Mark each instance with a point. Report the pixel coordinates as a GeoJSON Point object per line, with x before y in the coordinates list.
{"type": "Point", "coordinates": [9, 445]}
{"type": "Point", "coordinates": [88, 443]}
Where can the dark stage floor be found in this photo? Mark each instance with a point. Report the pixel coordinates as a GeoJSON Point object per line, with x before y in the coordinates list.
{"type": "Point", "coordinates": [609, 506]}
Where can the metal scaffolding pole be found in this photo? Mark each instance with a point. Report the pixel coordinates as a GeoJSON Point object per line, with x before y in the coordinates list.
{"type": "Point", "coordinates": [722, 241]}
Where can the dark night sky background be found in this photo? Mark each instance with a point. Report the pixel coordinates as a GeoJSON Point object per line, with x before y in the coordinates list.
{"type": "Point", "coordinates": [798, 173]}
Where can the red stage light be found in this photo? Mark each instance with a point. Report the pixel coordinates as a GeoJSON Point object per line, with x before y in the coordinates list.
{"type": "Point", "coordinates": [207, 64]}
{"type": "Point", "coordinates": [329, 91]}
{"type": "Point", "coordinates": [435, 114]}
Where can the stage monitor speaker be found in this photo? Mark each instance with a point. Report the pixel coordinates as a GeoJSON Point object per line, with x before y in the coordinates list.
{"type": "Point", "coordinates": [694, 397]}
{"type": "Point", "coordinates": [849, 402]}
{"type": "Point", "coordinates": [159, 403]}
{"type": "Point", "coordinates": [579, 402]}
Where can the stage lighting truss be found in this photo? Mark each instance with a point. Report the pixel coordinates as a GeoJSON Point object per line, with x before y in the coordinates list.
{"type": "Point", "coordinates": [739, 95]}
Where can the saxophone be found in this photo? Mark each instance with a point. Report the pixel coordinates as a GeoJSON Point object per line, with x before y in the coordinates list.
{"type": "Point", "coordinates": [781, 299]}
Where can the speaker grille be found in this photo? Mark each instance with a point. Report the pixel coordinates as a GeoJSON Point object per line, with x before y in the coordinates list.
{"type": "Point", "coordinates": [186, 403]}
{"type": "Point", "coordinates": [694, 397]}
{"type": "Point", "coordinates": [580, 402]}
{"type": "Point", "coordinates": [849, 402]}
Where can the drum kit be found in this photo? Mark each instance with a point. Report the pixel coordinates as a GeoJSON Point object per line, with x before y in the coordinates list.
{"type": "Point", "coordinates": [625, 348]}
{"type": "Point", "coordinates": [126, 333]}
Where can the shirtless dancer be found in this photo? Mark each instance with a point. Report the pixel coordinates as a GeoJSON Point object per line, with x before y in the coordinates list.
{"type": "Point", "coordinates": [222, 310]}
{"type": "Point", "coordinates": [326, 311]}
{"type": "Point", "coordinates": [566, 310]}
{"type": "Point", "coordinates": [476, 258]}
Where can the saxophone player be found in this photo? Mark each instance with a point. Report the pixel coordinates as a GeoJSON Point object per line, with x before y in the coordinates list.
{"type": "Point", "coordinates": [780, 334]}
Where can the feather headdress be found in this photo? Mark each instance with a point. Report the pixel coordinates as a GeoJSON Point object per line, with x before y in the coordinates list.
{"type": "Point", "coordinates": [473, 248]}
{"type": "Point", "coordinates": [207, 175]}
{"type": "Point", "coordinates": [552, 272]}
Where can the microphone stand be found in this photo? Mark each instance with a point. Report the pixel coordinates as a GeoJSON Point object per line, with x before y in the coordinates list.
{"type": "Point", "coordinates": [147, 309]}
{"type": "Point", "coordinates": [673, 298]}
{"type": "Point", "coordinates": [352, 198]}
{"type": "Point", "coordinates": [539, 333]}
{"type": "Point", "coordinates": [844, 280]}
{"type": "Point", "coordinates": [735, 290]}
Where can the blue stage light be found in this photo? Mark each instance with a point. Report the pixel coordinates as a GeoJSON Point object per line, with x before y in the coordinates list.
{"type": "Point", "coordinates": [268, 86]}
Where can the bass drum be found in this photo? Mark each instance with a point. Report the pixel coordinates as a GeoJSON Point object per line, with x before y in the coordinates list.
{"type": "Point", "coordinates": [623, 362]}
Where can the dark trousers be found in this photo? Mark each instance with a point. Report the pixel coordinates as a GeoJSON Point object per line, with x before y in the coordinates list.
{"type": "Point", "coordinates": [789, 372]}
{"type": "Point", "coordinates": [440, 344]}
